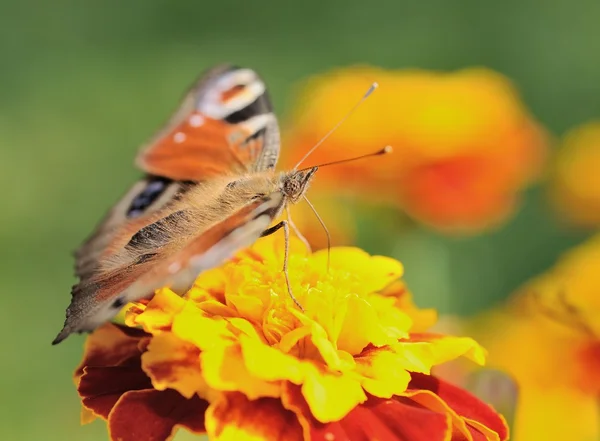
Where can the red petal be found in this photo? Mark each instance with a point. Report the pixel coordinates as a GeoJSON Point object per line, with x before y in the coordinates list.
{"type": "Point", "coordinates": [110, 345]}
{"type": "Point", "coordinates": [396, 419]}
{"type": "Point", "coordinates": [101, 387]}
{"type": "Point", "coordinates": [264, 418]}
{"type": "Point", "coordinates": [151, 415]}
{"type": "Point", "coordinates": [477, 435]}
{"type": "Point", "coordinates": [462, 402]}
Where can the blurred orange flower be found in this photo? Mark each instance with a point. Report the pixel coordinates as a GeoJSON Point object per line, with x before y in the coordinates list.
{"type": "Point", "coordinates": [236, 359]}
{"type": "Point", "coordinates": [464, 145]}
{"type": "Point", "coordinates": [575, 187]}
{"type": "Point", "coordinates": [548, 340]}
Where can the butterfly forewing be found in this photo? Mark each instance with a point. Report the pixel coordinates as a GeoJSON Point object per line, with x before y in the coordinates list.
{"type": "Point", "coordinates": [229, 127]}
{"type": "Point", "coordinates": [223, 130]}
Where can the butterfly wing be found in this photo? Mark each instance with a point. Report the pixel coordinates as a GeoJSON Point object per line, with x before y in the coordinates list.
{"type": "Point", "coordinates": [160, 259]}
{"type": "Point", "coordinates": [143, 198]}
{"type": "Point", "coordinates": [224, 125]}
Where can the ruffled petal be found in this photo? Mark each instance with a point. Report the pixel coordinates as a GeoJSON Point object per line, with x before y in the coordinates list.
{"type": "Point", "coordinates": [476, 413]}
{"type": "Point", "coordinates": [223, 369]}
{"type": "Point", "coordinates": [158, 314]}
{"type": "Point", "coordinates": [330, 396]}
{"type": "Point", "coordinates": [101, 387]}
{"type": "Point", "coordinates": [173, 363]}
{"type": "Point", "coordinates": [236, 418]}
{"type": "Point", "coordinates": [151, 415]}
{"type": "Point", "coordinates": [437, 349]}
{"type": "Point", "coordinates": [383, 373]}
{"type": "Point", "coordinates": [397, 419]}
{"type": "Point", "coordinates": [109, 345]}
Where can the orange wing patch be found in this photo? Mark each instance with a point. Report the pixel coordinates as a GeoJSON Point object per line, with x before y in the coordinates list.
{"type": "Point", "coordinates": [232, 92]}
{"type": "Point", "coordinates": [199, 148]}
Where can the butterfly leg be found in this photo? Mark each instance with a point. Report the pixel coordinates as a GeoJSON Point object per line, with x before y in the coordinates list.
{"type": "Point", "coordinates": [286, 231]}
{"type": "Point", "coordinates": [296, 230]}
{"type": "Point", "coordinates": [316, 213]}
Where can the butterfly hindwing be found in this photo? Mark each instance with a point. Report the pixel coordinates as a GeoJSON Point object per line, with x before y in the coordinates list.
{"type": "Point", "coordinates": [145, 197]}
{"type": "Point", "coordinates": [155, 260]}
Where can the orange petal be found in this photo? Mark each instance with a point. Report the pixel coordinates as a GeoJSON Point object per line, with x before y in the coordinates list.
{"type": "Point", "coordinates": [151, 415]}
{"type": "Point", "coordinates": [109, 345]}
{"type": "Point", "coordinates": [475, 412]}
{"type": "Point", "coordinates": [236, 418]}
{"type": "Point", "coordinates": [396, 419]}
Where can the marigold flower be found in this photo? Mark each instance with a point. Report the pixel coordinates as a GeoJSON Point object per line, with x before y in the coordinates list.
{"type": "Point", "coordinates": [575, 187]}
{"type": "Point", "coordinates": [464, 145]}
{"type": "Point", "coordinates": [548, 339]}
{"type": "Point", "coordinates": [236, 359]}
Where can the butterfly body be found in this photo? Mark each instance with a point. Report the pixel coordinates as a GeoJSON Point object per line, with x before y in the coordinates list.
{"type": "Point", "coordinates": [211, 189]}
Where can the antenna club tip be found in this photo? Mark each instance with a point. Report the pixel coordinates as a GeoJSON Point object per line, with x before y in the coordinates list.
{"type": "Point", "coordinates": [374, 86]}
{"type": "Point", "coordinates": [387, 149]}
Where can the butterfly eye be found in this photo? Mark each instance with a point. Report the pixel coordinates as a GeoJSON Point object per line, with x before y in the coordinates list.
{"type": "Point", "coordinates": [118, 303]}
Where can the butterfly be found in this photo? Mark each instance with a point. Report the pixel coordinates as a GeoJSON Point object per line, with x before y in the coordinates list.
{"type": "Point", "coordinates": [210, 190]}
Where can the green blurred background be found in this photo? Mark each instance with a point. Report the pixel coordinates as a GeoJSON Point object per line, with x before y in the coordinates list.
{"type": "Point", "coordinates": [84, 83]}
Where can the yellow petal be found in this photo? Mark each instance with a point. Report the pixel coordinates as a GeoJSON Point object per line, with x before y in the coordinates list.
{"type": "Point", "coordinates": [175, 364]}
{"type": "Point", "coordinates": [384, 373]}
{"type": "Point", "coordinates": [224, 369]}
{"type": "Point", "coordinates": [331, 397]}
{"type": "Point", "coordinates": [268, 363]}
{"type": "Point", "coordinates": [160, 311]}
{"type": "Point", "coordinates": [363, 325]}
{"type": "Point", "coordinates": [204, 332]}
{"type": "Point", "coordinates": [434, 350]}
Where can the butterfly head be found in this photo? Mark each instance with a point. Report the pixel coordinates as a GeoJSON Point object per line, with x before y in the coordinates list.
{"type": "Point", "coordinates": [294, 184]}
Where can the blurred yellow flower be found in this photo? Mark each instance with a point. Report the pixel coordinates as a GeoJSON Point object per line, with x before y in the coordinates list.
{"type": "Point", "coordinates": [575, 187]}
{"type": "Point", "coordinates": [464, 145]}
{"type": "Point", "coordinates": [548, 339]}
{"type": "Point", "coordinates": [253, 366]}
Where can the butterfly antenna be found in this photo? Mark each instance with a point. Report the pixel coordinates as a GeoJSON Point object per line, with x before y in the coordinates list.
{"type": "Point", "coordinates": [328, 134]}
{"type": "Point", "coordinates": [384, 151]}
{"type": "Point", "coordinates": [314, 210]}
